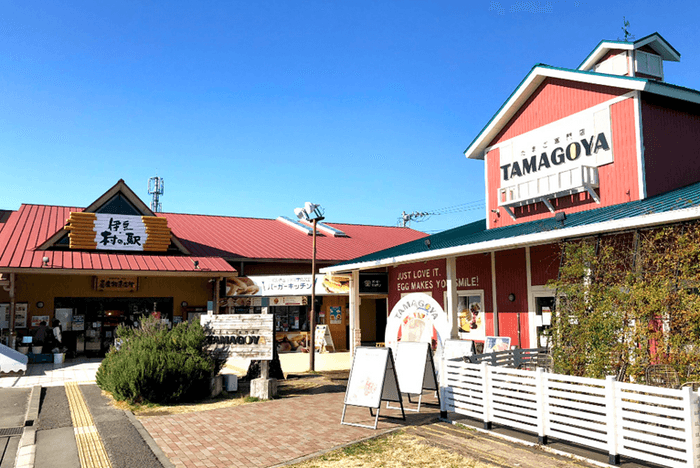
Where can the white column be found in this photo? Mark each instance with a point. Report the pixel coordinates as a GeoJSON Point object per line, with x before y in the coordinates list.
{"type": "Point", "coordinates": [451, 306]}
{"type": "Point", "coordinates": [532, 331]}
{"type": "Point", "coordinates": [354, 319]}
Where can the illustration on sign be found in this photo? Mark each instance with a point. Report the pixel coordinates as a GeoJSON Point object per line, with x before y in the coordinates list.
{"type": "Point", "coordinates": [470, 314]}
{"type": "Point", "coordinates": [336, 315]}
{"type": "Point", "coordinates": [496, 343]}
{"type": "Point", "coordinates": [417, 317]}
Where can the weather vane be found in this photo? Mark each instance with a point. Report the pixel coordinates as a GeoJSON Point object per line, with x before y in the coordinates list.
{"type": "Point", "coordinates": [625, 29]}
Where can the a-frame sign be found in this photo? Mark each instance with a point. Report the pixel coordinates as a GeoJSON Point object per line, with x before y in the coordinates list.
{"type": "Point", "coordinates": [372, 380]}
{"type": "Point", "coordinates": [415, 369]}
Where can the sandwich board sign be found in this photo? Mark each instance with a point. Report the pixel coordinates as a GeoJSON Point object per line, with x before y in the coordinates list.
{"type": "Point", "coordinates": [416, 370]}
{"type": "Point", "coordinates": [323, 338]}
{"type": "Point", "coordinates": [372, 380]}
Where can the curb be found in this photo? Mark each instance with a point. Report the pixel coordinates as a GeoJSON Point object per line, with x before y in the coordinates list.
{"type": "Point", "coordinates": [146, 436]}
{"type": "Point", "coordinates": [544, 448]}
{"type": "Point", "coordinates": [26, 452]}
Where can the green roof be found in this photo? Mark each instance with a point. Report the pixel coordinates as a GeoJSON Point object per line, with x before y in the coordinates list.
{"type": "Point", "coordinates": [476, 232]}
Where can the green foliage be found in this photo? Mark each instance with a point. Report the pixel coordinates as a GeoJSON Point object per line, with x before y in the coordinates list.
{"type": "Point", "coordinates": [629, 298]}
{"type": "Point", "coordinates": [158, 365]}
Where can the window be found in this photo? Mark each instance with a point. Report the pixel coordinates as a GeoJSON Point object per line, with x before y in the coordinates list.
{"type": "Point", "coordinates": [471, 317]}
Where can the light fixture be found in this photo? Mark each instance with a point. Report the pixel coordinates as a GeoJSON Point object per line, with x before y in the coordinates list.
{"type": "Point", "coordinates": [196, 264]}
{"type": "Point", "coordinates": [45, 261]}
{"type": "Point", "coordinates": [40, 305]}
{"type": "Point", "coordinates": [310, 212]}
{"type": "Point", "coordinates": [314, 213]}
{"type": "Point", "coordinates": [511, 297]}
{"type": "Point", "coordinates": [183, 303]}
{"type": "Point", "coordinates": [427, 243]}
{"type": "Point", "coordinates": [560, 216]}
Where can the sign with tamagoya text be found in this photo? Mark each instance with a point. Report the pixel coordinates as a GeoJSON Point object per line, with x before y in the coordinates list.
{"type": "Point", "coordinates": [247, 336]}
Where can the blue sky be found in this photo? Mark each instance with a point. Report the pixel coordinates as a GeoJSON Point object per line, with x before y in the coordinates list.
{"type": "Point", "coordinates": [252, 108]}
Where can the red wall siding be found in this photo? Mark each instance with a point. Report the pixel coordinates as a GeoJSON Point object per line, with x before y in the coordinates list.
{"type": "Point", "coordinates": [554, 100]}
{"type": "Point", "coordinates": [618, 181]}
{"type": "Point", "coordinates": [670, 146]}
{"type": "Point", "coordinates": [417, 277]}
{"type": "Point", "coordinates": [511, 278]}
{"type": "Point", "coordinates": [493, 181]}
{"type": "Point", "coordinates": [544, 263]}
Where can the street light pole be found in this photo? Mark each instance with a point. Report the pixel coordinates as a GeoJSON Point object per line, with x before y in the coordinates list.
{"type": "Point", "coordinates": [312, 322]}
{"type": "Point", "coordinates": [314, 213]}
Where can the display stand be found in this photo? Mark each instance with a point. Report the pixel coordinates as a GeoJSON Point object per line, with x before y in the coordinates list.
{"type": "Point", "coordinates": [416, 371]}
{"type": "Point", "coordinates": [323, 338]}
{"type": "Point", "coordinates": [372, 380]}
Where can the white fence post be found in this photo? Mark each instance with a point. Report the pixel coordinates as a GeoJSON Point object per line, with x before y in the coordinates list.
{"type": "Point", "coordinates": [690, 403]}
{"type": "Point", "coordinates": [488, 410]}
{"type": "Point", "coordinates": [540, 379]}
{"type": "Point", "coordinates": [610, 406]}
{"type": "Point", "coordinates": [443, 386]}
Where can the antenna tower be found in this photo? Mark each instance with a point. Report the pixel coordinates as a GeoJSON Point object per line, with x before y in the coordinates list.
{"type": "Point", "coordinates": [156, 187]}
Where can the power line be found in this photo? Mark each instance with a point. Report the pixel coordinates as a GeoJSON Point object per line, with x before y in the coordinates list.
{"type": "Point", "coordinates": [419, 216]}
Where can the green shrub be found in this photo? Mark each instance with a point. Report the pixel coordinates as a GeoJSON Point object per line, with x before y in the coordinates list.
{"type": "Point", "coordinates": [158, 365]}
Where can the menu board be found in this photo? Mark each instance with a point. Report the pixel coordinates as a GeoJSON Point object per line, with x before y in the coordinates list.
{"type": "Point", "coordinates": [21, 310]}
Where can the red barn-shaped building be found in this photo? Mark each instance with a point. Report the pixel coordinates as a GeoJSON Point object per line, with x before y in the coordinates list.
{"type": "Point", "coordinates": [603, 148]}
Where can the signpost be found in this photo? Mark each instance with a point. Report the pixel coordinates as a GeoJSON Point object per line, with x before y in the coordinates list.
{"type": "Point", "coordinates": [246, 335]}
{"type": "Point", "coordinates": [415, 370]}
{"type": "Point", "coordinates": [372, 380]}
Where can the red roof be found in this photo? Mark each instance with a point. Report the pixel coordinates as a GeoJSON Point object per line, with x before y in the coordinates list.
{"type": "Point", "coordinates": [236, 238]}
{"type": "Point", "coordinates": [32, 225]}
{"type": "Point", "coordinates": [211, 241]}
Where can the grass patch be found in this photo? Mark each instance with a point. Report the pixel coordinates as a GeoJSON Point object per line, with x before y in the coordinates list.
{"type": "Point", "coordinates": [395, 450]}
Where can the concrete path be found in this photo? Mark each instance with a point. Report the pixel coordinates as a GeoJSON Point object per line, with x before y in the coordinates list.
{"type": "Point", "coordinates": [13, 410]}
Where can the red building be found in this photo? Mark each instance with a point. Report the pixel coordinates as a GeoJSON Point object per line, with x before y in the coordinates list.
{"type": "Point", "coordinates": [115, 261]}
{"type": "Point", "coordinates": [571, 153]}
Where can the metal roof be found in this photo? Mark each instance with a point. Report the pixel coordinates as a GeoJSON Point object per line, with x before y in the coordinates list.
{"type": "Point", "coordinates": [212, 240]}
{"type": "Point", "coordinates": [31, 225]}
{"type": "Point", "coordinates": [256, 238]}
{"type": "Point", "coordinates": [443, 244]}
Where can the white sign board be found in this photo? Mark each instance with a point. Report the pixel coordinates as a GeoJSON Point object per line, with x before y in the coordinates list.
{"type": "Point", "coordinates": [242, 335]}
{"type": "Point", "coordinates": [323, 338]}
{"type": "Point", "coordinates": [458, 349]}
{"type": "Point", "coordinates": [415, 368]}
{"type": "Point", "coordinates": [372, 380]}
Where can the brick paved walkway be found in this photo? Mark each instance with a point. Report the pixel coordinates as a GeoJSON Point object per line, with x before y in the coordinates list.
{"type": "Point", "coordinates": [267, 433]}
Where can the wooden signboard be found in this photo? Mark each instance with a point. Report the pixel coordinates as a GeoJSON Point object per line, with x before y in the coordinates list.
{"type": "Point", "coordinates": [323, 338]}
{"type": "Point", "coordinates": [372, 380]}
{"type": "Point", "coordinates": [245, 335]}
{"type": "Point", "coordinates": [416, 370]}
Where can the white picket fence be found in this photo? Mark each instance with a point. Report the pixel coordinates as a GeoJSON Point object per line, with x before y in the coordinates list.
{"type": "Point", "coordinates": [653, 424]}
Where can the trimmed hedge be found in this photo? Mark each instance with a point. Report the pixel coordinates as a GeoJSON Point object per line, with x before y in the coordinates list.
{"type": "Point", "coordinates": [158, 365]}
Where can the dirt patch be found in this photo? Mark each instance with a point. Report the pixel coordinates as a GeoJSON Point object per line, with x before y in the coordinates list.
{"type": "Point", "coordinates": [295, 385]}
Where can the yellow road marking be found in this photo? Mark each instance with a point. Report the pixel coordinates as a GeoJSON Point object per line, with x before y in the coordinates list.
{"type": "Point", "coordinates": [91, 450]}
